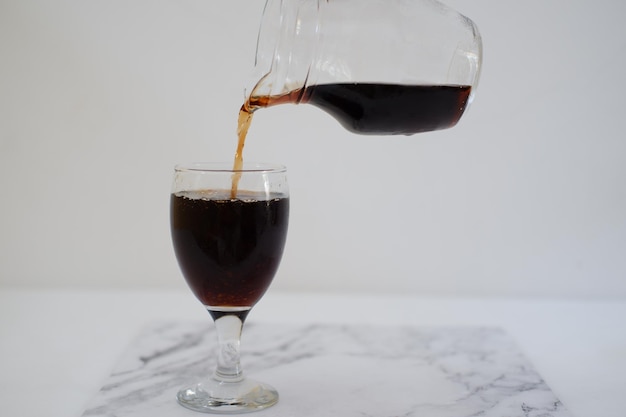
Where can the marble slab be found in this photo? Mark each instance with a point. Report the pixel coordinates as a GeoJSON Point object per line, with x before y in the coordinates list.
{"type": "Point", "coordinates": [333, 370]}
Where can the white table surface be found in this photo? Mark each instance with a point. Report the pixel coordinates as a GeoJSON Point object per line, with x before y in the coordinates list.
{"type": "Point", "coordinates": [58, 346]}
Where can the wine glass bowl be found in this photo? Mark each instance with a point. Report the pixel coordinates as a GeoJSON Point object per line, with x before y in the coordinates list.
{"type": "Point", "coordinates": [229, 229]}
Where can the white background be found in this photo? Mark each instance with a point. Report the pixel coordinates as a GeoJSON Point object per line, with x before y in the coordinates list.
{"type": "Point", "coordinates": [525, 197]}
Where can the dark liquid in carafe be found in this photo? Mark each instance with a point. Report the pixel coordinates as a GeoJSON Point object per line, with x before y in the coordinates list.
{"type": "Point", "coordinates": [391, 109]}
{"type": "Point", "coordinates": [368, 108]}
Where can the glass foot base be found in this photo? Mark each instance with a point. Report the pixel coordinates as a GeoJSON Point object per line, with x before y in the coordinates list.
{"type": "Point", "coordinates": [228, 397]}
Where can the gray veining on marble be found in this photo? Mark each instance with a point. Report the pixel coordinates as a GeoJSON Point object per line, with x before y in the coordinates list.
{"type": "Point", "coordinates": [327, 370]}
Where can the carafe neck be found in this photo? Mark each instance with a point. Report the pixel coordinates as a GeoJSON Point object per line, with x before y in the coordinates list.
{"type": "Point", "coordinates": [287, 45]}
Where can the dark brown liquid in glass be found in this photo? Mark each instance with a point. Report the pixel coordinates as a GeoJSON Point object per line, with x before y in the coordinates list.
{"type": "Point", "coordinates": [228, 249]}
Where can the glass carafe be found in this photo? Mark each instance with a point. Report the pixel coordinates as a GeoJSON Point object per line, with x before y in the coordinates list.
{"type": "Point", "coordinates": [379, 67]}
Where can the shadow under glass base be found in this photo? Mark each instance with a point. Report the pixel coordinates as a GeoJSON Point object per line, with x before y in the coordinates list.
{"type": "Point", "coordinates": [219, 397]}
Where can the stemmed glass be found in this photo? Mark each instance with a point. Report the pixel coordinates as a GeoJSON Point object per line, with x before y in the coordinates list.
{"type": "Point", "coordinates": [228, 230]}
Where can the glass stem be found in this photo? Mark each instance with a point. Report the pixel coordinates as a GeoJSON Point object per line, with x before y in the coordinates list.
{"type": "Point", "coordinates": [228, 328]}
